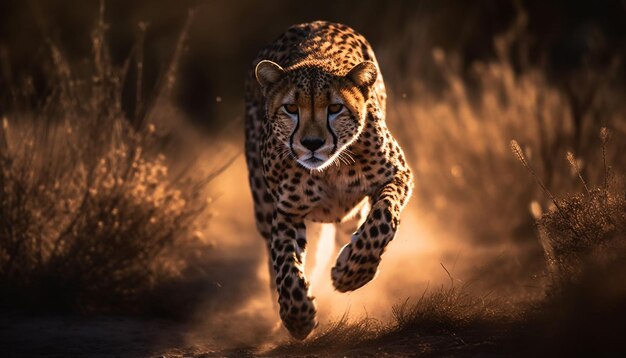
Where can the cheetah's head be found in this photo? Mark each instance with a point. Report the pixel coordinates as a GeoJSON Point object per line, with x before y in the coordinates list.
{"type": "Point", "coordinates": [314, 113]}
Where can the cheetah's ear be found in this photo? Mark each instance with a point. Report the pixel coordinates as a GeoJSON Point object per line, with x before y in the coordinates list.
{"type": "Point", "coordinates": [364, 74]}
{"type": "Point", "coordinates": [268, 73]}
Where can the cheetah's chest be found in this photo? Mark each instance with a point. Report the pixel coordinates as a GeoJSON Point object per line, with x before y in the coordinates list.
{"type": "Point", "coordinates": [341, 196]}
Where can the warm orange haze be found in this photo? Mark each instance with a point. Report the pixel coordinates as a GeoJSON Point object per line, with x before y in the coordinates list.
{"type": "Point", "coordinates": [181, 180]}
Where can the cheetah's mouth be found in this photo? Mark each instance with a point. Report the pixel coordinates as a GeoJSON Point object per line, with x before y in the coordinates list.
{"type": "Point", "coordinates": [313, 160]}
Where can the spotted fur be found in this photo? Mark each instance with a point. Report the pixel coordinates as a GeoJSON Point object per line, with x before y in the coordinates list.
{"type": "Point", "coordinates": [317, 148]}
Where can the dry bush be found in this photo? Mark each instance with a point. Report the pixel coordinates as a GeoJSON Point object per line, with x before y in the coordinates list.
{"type": "Point", "coordinates": [583, 235]}
{"type": "Point", "coordinates": [583, 241]}
{"type": "Point", "coordinates": [91, 216]}
{"type": "Point", "coordinates": [458, 141]}
{"type": "Point", "coordinates": [582, 231]}
{"type": "Point", "coordinates": [586, 229]}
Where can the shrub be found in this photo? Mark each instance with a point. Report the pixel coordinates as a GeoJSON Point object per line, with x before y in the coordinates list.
{"type": "Point", "coordinates": [91, 216]}
{"type": "Point", "coordinates": [587, 229]}
{"type": "Point", "coordinates": [583, 237]}
{"type": "Point", "coordinates": [583, 231]}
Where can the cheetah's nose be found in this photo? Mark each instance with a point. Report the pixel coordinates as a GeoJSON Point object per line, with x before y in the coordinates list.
{"type": "Point", "coordinates": [312, 144]}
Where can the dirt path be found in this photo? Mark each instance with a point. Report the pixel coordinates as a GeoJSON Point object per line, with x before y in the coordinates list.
{"type": "Point", "coordinates": [57, 336]}
{"type": "Point", "coordinates": [63, 336]}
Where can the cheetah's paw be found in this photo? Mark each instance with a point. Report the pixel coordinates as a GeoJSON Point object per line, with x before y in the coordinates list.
{"type": "Point", "coordinates": [353, 268]}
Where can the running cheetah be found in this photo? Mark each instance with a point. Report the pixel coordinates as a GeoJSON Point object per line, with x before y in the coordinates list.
{"type": "Point", "coordinates": [318, 149]}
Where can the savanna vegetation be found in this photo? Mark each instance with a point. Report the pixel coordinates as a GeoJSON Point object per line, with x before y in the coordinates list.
{"type": "Point", "coordinates": [94, 217]}
{"type": "Point", "coordinates": [103, 214]}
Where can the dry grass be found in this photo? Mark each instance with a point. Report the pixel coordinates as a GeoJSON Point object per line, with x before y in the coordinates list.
{"type": "Point", "coordinates": [448, 311]}
{"type": "Point", "coordinates": [586, 227]}
{"type": "Point", "coordinates": [584, 244]}
{"type": "Point", "coordinates": [458, 141]}
{"type": "Point", "coordinates": [92, 215]}
{"type": "Point", "coordinates": [583, 231]}
{"type": "Point", "coordinates": [342, 334]}
{"type": "Point", "coordinates": [445, 310]}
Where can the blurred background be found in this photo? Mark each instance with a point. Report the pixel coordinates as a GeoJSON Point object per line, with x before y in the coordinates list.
{"type": "Point", "coordinates": [463, 79]}
{"type": "Point", "coordinates": [560, 36]}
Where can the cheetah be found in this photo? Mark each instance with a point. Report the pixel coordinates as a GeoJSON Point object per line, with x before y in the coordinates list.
{"type": "Point", "coordinates": [318, 149]}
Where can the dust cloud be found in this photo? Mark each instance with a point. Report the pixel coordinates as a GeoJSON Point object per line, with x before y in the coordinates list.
{"type": "Point", "coordinates": [411, 264]}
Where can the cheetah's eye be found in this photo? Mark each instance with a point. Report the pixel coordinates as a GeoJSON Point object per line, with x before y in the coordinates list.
{"type": "Point", "coordinates": [335, 108]}
{"type": "Point", "coordinates": [291, 108]}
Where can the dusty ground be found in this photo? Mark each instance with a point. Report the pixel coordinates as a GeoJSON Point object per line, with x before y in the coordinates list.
{"type": "Point", "coordinates": [231, 303]}
{"type": "Point", "coordinates": [57, 336]}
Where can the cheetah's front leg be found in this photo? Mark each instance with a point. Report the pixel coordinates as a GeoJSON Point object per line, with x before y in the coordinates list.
{"type": "Point", "coordinates": [358, 260]}
{"type": "Point", "coordinates": [288, 242]}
